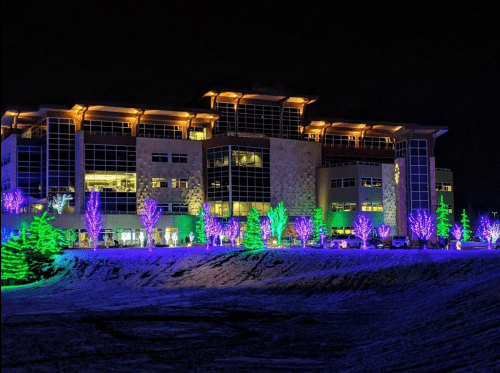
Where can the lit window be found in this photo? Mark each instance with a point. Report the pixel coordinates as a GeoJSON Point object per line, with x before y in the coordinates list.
{"type": "Point", "coordinates": [179, 183]}
{"type": "Point", "coordinates": [349, 206]}
{"type": "Point", "coordinates": [367, 206]}
{"type": "Point", "coordinates": [377, 206]}
{"type": "Point", "coordinates": [337, 206]}
{"type": "Point", "coordinates": [158, 182]}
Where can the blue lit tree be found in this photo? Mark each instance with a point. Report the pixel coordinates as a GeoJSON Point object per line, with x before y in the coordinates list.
{"type": "Point", "coordinates": [304, 228]}
{"type": "Point", "coordinates": [422, 224]}
{"type": "Point", "coordinates": [93, 220]}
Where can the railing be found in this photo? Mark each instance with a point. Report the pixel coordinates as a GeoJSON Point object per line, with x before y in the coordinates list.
{"type": "Point", "coordinates": [243, 134]}
{"type": "Point", "coordinates": [148, 135]}
{"type": "Point", "coordinates": [107, 133]}
{"type": "Point", "coordinates": [443, 169]}
{"type": "Point", "coordinates": [351, 163]}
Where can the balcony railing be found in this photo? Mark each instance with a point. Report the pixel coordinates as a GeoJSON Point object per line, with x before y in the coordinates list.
{"type": "Point", "coordinates": [351, 164]}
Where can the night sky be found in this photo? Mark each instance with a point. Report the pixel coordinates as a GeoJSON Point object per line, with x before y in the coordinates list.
{"type": "Point", "coordinates": [425, 66]}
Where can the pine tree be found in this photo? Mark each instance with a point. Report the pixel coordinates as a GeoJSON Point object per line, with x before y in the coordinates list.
{"type": "Point", "coordinates": [253, 237]}
{"type": "Point", "coordinates": [14, 262]}
{"type": "Point", "coordinates": [200, 227]}
{"type": "Point", "coordinates": [44, 238]}
{"type": "Point", "coordinates": [318, 222]}
{"type": "Point", "coordinates": [443, 224]}
{"type": "Point", "coordinates": [465, 223]}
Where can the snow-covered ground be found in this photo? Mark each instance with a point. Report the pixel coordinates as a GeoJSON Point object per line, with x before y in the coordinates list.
{"type": "Point", "coordinates": [276, 310]}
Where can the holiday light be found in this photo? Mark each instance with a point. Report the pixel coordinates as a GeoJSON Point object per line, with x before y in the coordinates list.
{"type": "Point", "coordinates": [253, 232]}
{"type": "Point", "coordinates": [488, 231]}
{"type": "Point", "coordinates": [383, 231]}
{"type": "Point", "coordinates": [457, 231]}
{"type": "Point", "coordinates": [278, 218]}
{"type": "Point", "coordinates": [265, 227]}
{"type": "Point", "coordinates": [318, 223]}
{"type": "Point", "coordinates": [362, 228]}
{"type": "Point", "coordinates": [60, 201]}
{"type": "Point", "coordinates": [212, 225]}
{"type": "Point", "coordinates": [93, 219]}
{"type": "Point", "coordinates": [149, 218]}
{"type": "Point", "coordinates": [322, 235]}
{"type": "Point", "coordinates": [233, 230]}
{"type": "Point", "coordinates": [422, 225]}
{"type": "Point", "coordinates": [465, 223]}
{"type": "Point", "coordinates": [442, 213]}
{"type": "Point", "coordinates": [304, 227]}
{"type": "Point", "coordinates": [14, 200]}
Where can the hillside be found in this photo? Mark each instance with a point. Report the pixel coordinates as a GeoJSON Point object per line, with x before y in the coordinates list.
{"type": "Point", "coordinates": [280, 310]}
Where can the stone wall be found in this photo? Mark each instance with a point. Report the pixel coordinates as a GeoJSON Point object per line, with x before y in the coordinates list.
{"type": "Point", "coordinates": [389, 196]}
{"type": "Point", "coordinates": [293, 174]}
{"type": "Point", "coordinates": [192, 170]}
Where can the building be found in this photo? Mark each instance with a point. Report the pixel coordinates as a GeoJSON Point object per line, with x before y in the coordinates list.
{"type": "Point", "coordinates": [236, 150]}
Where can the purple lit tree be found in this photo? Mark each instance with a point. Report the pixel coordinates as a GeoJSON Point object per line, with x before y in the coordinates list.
{"type": "Point", "coordinates": [362, 228]}
{"type": "Point", "coordinates": [233, 230]}
{"type": "Point", "coordinates": [14, 200]}
{"type": "Point", "coordinates": [422, 224]}
{"type": "Point", "coordinates": [304, 228]}
{"type": "Point", "coordinates": [93, 219]}
{"type": "Point", "coordinates": [322, 235]}
{"type": "Point", "coordinates": [212, 225]}
{"type": "Point", "coordinates": [495, 231]}
{"type": "Point", "coordinates": [149, 218]}
{"type": "Point", "coordinates": [265, 227]}
{"type": "Point", "coordinates": [383, 231]}
{"type": "Point", "coordinates": [488, 231]}
{"type": "Point", "coordinates": [457, 231]}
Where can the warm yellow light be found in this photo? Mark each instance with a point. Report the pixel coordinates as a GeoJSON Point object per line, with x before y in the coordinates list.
{"type": "Point", "coordinates": [396, 174]}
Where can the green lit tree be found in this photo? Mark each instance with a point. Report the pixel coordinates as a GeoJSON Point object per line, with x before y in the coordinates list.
{"type": "Point", "coordinates": [318, 222]}
{"type": "Point", "coordinates": [253, 237]}
{"type": "Point", "coordinates": [71, 236]}
{"type": "Point", "coordinates": [278, 218]}
{"type": "Point", "coordinates": [443, 219]}
{"type": "Point", "coordinates": [44, 238]}
{"type": "Point", "coordinates": [200, 227]}
{"type": "Point", "coordinates": [465, 223]}
{"type": "Point", "coordinates": [14, 262]}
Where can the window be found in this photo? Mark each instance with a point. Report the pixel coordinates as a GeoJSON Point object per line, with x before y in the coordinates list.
{"type": "Point", "coordinates": [349, 182]}
{"type": "Point", "coordinates": [158, 182]}
{"type": "Point", "coordinates": [401, 149]}
{"type": "Point", "coordinates": [443, 187]}
{"type": "Point", "coordinates": [179, 158]}
{"type": "Point", "coordinates": [372, 206]}
{"type": "Point", "coordinates": [160, 157]}
{"type": "Point", "coordinates": [173, 208]}
{"type": "Point", "coordinates": [419, 185]}
{"type": "Point", "coordinates": [337, 206]}
{"type": "Point", "coordinates": [366, 206]}
{"type": "Point", "coordinates": [163, 131]}
{"type": "Point", "coordinates": [378, 143]}
{"type": "Point", "coordinates": [349, 206]}
{"type": "Point", "coordinates": [340, 140]}
{"type": "Point", "coordinates": [335, 183]}
{"type": "Point", "coordinates": [371, 182]}
{"type": "Point", "coordinates": [179, 183]}
{"type": "Point", "coordinates": [344, 206]}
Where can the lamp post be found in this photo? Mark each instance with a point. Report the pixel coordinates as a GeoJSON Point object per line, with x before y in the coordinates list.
{"type": "Point", "coordinates": [494, 214]}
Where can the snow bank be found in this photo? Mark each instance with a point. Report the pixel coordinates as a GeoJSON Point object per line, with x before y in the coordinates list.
{"type": "Point", "coordinates": [319, 269]}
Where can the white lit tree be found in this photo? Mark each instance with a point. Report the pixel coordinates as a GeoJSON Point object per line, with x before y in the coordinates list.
{"type": "Point", "coordinates": [59, 201]}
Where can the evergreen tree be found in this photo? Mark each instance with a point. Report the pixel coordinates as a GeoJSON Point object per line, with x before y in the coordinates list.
{"type": "Point", "coordinates": [442, 218]}
{"type": "Point", "coordinates": [44, 238]}
{"type": "Point", "coordinates": [253, 237]}
{"type": "Point", "coordinates": [318, 222]}
{"type": "Point", "coordinates": [14, 262]}
{"type": "Point", "coordinates": [200, 227]}
{"type": "Point", "coordinates": [278, 218]}
{"type": "Point", "coordinates": [465, 223]}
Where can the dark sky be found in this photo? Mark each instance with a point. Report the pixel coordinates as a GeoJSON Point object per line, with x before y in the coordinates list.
{"type": "Point", "coordinates": [427, 66]}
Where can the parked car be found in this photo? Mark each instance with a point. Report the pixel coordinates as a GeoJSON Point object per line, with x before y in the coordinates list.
{"type": "Point", "coordinates": [374, 243]}
{"type": "Point", "coordinates": [316, 245]}
{"type": "Point", "coordinates": [346, 241]}
{"type": "Point", "coordinates": [400, 241]}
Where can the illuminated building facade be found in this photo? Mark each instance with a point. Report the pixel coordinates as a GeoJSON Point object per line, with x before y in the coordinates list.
{"type": "Point", "coordinates": [237, 150]}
